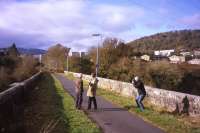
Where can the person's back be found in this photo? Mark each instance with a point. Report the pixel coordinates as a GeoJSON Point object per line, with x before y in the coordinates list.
{"type": "Point", "coordinates": [140, 87]}
{"type": "Point", "coordinates": [79, 92]}
{"type": "Point", "coordinates": [79, 86]}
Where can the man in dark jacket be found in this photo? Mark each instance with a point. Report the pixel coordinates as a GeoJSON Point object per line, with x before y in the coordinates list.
{"type": "Point", "coordinates": [138, 84]}
{"type": "Point", "coordinates": [79, 92]}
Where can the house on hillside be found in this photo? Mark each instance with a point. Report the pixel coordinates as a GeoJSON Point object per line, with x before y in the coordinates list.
{"type": "Point", "coordinates": [77, 54]}
{"type": "Point", "coordinates": [197, 53]}
{"type": "Point", "coordinates": [3, 51]}
{"type": "Point", "coordinates": [164, 53]}
{"type": "Point", "coordinates": [194, 61]}
{"type": "Point", "coordinates": [145, 57]}
{"type": "Point", "coordinates": [83, 54]}
{"type": "Point", "coordinates": [185, 53]}
{"type": "Point", "coordinates": [177, 59]}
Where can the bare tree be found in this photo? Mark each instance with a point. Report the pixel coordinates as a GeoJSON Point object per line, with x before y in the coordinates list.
{"type": "Point", "coordinates": [55, 58]}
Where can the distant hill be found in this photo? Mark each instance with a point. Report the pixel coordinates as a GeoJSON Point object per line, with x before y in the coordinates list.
{"type": "Point", "coordinates": [178, 40]}
{"type": "Point", "coordinates": [31, 51]}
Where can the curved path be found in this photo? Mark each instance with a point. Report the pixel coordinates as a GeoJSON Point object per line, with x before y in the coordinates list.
{"type": "Point", "coordinates": [111, 118]}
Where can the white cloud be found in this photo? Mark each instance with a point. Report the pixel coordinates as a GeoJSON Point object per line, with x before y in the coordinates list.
{"type": "Point", "coordinates": [117, 18]}
{"type": "Point", "coordinates": [67, 22]}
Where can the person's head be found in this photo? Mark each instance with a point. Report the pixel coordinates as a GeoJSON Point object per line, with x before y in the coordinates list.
{"type": "Point", "coordinates": [136, 78]}
{"type": "Point", "coordinates": [93, 75]}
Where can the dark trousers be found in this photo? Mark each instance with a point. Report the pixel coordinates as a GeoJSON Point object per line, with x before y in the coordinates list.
{"type": "Point", "coordinates": [90, 100]}
{"type": "Point", "coordinates": [79, 100]}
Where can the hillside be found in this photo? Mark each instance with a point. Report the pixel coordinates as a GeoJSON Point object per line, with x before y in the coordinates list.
{"type": "Point", "coordinates": [31, 51]}
{"type": "Point", "coordinates": [183, 39]}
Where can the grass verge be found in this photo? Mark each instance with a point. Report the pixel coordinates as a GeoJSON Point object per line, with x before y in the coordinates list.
{"type": "Point", "coordinates": [51, 110]}
{"type": "Point", "coordinates": [168, 122]}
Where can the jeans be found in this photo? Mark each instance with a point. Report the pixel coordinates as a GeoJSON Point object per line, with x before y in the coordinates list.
{"type": "Point", "coordinates": [139, 100]}
{"type": "Point", "coordinates": [90, 100]}
{"type": "Point", "coordinates": [79, 99]}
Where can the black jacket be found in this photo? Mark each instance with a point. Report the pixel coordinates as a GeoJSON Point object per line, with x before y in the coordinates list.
{"type": "Point", "coordinates": [140, 87]}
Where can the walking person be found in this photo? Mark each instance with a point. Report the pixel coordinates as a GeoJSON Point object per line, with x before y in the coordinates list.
{"type": "Point", "coordinates": [139, 85]}
{"type": "Point", "coordinates": [91, 93]}
{"type": "Point", "coordinates": [79, 91]}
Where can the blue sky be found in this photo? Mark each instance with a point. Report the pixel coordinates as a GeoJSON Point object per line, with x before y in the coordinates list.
{"type": "Point", "coordinates": [43, 23]}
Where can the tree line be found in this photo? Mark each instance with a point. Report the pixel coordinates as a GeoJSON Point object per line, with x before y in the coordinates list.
{"type": "Point", "coordinates": [178, 40]}
{"type": "Point", "coordinates": [116, 61]}
{"type": "Point", "coordinates": [14, 68]}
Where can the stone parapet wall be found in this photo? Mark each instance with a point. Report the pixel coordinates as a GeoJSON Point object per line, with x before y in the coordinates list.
{"type": "Point", "coordinates": [12, 103]}
{"type": "Point", "coordinates": [168, 100]}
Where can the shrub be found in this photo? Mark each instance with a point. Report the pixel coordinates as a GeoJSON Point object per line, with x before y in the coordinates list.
{"type": "Point", "coordinates": [121, 70]}
{"type": "Point", "coordinates": [26, 68]}
{"type": "Point", "coordinates": [164, 75]}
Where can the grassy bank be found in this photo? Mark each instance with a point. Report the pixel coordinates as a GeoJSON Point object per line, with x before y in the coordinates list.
{"type": "Point", "coordinates": [168, 122]}
{"type": "Point", "coordinates": [51, 110]}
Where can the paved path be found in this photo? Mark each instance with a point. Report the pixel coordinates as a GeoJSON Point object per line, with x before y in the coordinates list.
{"type": "Point", "coordinates": [111, 118]}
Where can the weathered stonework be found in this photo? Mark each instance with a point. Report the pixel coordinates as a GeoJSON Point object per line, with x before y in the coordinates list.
{"type": "Point", "coordinates": [168, 100]}
{"type": "Point", "coordinates": [12, 105]}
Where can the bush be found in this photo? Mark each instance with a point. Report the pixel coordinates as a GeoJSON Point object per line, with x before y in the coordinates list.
{"type": "Point", "coordinates": [26, 68]}
{"type": "Point", "coordinates": [16, 69]}
{"type": "Point", "coordinates": [80, 65]}
{"type": "Point", "coordinates": [164, 75]}
{"type": "Point", "coordinates": [121, 70]}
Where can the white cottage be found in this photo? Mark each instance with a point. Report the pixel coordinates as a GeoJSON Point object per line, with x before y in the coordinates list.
{"type": "Point", "coordinates": [145, 57]}
{"type": "Point", "coordinates": [165, 53]}
{"type": "Point", "coordinates": [194, 61]}
{"type": "Point", "coordinates": [177, 59]}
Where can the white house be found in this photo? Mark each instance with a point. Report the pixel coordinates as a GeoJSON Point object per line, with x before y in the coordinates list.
{"type": "Point", "coordinates": [77, 54]}
{"type": "Point", "coordinates": [185, 53]}
{"type": "Point", "coordinates": [196, 52]}
{"type": "Point", "coordinates": [3, 51]}
{"type": "Point", "coordinates": [177, 59]}
{"type": "Point", "coordinates": [194, 61]}
{"type": "Point", "coordinates": [145, 57]}
{"type": "Point", "coordinates": [165, 53]}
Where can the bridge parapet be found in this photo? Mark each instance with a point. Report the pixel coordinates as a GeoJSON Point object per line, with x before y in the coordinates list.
{"type": "Point", "coordinates": [12, 105]}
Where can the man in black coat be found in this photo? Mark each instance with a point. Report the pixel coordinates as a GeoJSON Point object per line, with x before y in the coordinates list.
{"type": "Point", "coordinates": [79, 92]}
{"type": "Point", "coordinates": [138, 84]}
